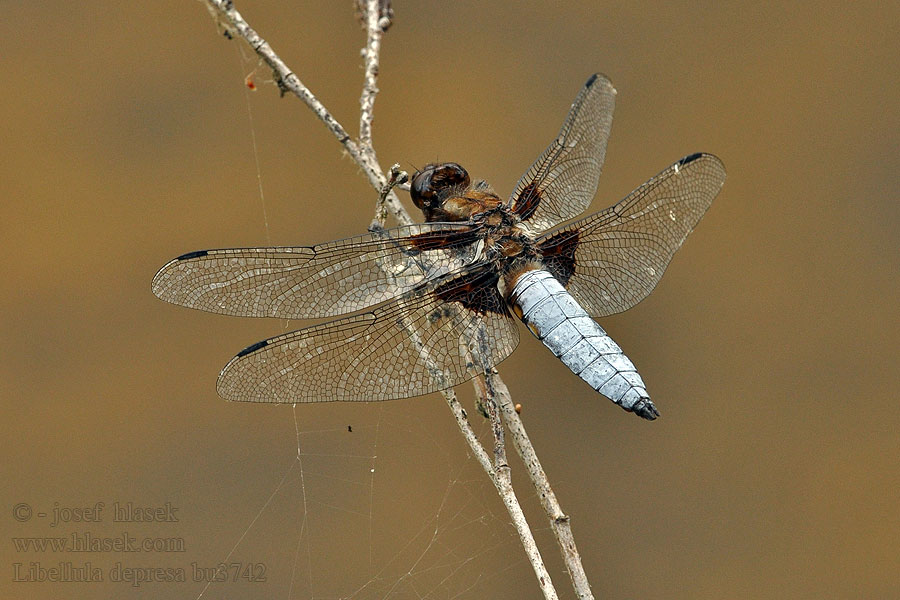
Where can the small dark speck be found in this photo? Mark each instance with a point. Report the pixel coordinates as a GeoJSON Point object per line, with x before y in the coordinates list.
{"type": "Point", "coordinates": [690, 158]}
{"type": "Point", "coordinates": [350, 428]}
{"type": "Point", "coordinates": [253, 348]}
{"type": "Point", "coordinates": [591, 80]}
{"type": "Point", "coordinates": [190, 255]}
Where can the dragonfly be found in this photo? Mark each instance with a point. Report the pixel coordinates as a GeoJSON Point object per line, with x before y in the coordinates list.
{"type": "Point", "coordinates": [429, 306]}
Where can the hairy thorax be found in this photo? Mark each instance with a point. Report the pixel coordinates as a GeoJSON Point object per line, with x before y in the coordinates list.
{"type": "Point", "coordinates": [444, 192]}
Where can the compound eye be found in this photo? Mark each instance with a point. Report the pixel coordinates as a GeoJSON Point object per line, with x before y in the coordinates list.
{"type": "Point", "coordinates": [434, 179]}
{"type": "Point", "coordinates": [449, 175]}
{"type": "Point", "coordinates": [420, 189]}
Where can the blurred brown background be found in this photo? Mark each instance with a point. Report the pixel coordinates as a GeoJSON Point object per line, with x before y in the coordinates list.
{"type": "Point", "coordinates": [770, 346]}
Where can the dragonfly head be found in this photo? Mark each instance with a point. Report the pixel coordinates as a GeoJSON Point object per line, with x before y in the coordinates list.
{"type": "Point", "coordinates": [434, 184]}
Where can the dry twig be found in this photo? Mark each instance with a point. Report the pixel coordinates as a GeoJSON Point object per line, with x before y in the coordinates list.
{"type": "Point", "coordinates": [559, 521]}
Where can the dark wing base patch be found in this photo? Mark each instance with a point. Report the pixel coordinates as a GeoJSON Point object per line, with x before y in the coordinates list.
{"type": "Point", "coordinates": [559, 254]}
{"type": "Point", "coordinates": [527, 201]}
{"type": "Point", "coordinates": [435, 240]}
{"type": "Point", "coordinates": [476, 291]}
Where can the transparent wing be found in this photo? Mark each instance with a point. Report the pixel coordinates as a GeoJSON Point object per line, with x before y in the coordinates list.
{"type": "Point", "coordinates": [613, 259]}
{"type": "Point", "coordinates": [432, 338]}
{"type": "Point", "coordinates": [563, 180]}
{"type": "Point", "coordinates": [319, 281]}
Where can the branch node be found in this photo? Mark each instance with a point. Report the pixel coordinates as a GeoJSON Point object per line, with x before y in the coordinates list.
{"type": "Point", "coordinates": [279, 81]}
{"type": "Point", "coordinates": [396, 176]}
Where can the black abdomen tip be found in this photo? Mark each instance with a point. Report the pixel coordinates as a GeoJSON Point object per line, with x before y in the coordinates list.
{"type": "Point", "coordinates": [645, 409]}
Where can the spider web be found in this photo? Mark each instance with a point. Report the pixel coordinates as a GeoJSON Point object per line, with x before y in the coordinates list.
{"type": "Point", "coordinates": [335, 525]}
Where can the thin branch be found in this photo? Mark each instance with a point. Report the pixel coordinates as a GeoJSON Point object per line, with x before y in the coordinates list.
{"type": "Point", "coordinates": [227, 16]}
{"type": "Point", "coordinates": [376, 16]}
{"type": "Point", "coordinates": [559, 521]}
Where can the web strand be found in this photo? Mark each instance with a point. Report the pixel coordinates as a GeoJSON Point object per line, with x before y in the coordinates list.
{"type": "Point", "coordinates": [242, 60]}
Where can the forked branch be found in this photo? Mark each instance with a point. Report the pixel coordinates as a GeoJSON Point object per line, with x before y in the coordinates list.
{"type": "Point", "coordinates": [376, 15]}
